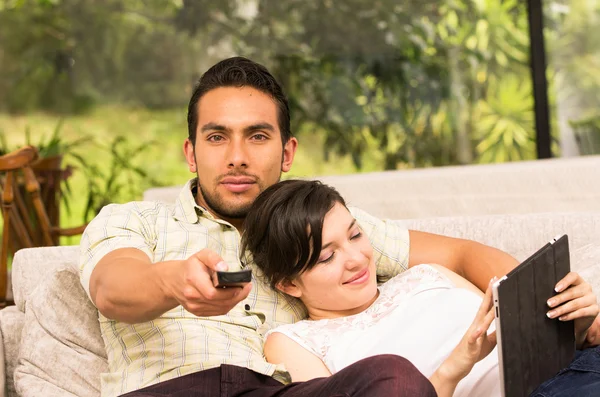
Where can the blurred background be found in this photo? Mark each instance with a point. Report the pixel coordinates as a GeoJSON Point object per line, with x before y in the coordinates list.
{"type": "Point", "coordinates": [103, 86]}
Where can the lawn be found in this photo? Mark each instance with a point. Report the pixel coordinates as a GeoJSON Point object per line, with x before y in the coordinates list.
{"type": "Point", "coordinates": [163, 160]}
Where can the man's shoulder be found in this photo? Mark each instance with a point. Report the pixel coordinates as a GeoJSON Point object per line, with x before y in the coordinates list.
{"type": "Point", "coordinates": [364, 218]}
{"type": "Point", "coordinates": [126, 215]}
{"type": "Point", "coordinates": [143, 208]}
{"type": "Point", "coordinates": [358, 212]}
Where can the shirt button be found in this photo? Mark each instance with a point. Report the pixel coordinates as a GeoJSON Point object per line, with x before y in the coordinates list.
{"type": "Point", "coordinates": [247, 307]}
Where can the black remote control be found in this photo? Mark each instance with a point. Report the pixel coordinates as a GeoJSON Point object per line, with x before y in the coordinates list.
{"type": "Point", "coordinates": [232, 279]}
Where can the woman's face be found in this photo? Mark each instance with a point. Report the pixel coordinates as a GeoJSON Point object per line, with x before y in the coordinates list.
{"type": "Point", "coordinates": [343, 282]}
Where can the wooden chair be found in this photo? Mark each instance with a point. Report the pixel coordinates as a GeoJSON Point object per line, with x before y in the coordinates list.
{"type": "Point", "coordinates": [26, 221]}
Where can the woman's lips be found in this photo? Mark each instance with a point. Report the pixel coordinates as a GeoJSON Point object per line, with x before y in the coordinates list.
{"type": "Point", "coordinates": [359, 278]}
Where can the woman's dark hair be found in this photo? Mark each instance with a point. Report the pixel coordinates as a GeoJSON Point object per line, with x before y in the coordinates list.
{"type": "Point", "coordinates": [283, 229]}
{"type": "Point", "coordinates": [240, 72]}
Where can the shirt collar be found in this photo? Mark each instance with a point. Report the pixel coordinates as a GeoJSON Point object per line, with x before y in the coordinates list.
{"type": "Point", "coordinates": [186, 208]}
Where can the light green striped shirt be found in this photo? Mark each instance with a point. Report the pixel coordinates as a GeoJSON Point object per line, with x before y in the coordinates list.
{"type": "Point", "coordinates": [178, 343]}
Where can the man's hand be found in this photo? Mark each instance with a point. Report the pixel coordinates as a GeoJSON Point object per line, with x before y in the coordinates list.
{"type": "Point", "coordinates": [575, 301]}
{"type": "Point", "coordinates": [190, 283]}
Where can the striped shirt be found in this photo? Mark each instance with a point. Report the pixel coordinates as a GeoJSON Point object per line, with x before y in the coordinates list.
{"type": "Point", "coordinates": [178, 343]}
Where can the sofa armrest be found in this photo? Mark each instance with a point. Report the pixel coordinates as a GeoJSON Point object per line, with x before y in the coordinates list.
{"type": "Point", "coordinates": [11, 326]}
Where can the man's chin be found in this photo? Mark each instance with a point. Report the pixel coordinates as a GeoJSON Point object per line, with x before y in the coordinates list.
{"type": "Point", "coordinates": [234, 209]}
{"type": "Point", "coordinates": [230, 205]}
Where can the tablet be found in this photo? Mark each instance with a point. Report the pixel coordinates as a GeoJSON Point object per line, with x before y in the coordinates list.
{"type": "Point", "coordinates": [532, 348]}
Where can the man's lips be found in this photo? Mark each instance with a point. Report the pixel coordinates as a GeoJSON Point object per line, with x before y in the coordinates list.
{"type": "Point", "coordinates": [359, 277]}
{"type": "Point", "coordinates": [237, 184]}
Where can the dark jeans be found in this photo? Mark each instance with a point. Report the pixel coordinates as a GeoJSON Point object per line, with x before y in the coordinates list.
{"type": "Point", "coordinates": [379, 376]}
{"type": "Point", "coordinates": [581, 378]}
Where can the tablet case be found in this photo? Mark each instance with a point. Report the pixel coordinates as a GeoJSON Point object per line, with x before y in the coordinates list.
{"type": "Point", "coordinates": [534, 347]}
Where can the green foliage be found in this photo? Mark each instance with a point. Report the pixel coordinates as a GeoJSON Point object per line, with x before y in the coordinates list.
{"type": "Point", "coordinates": [118, 177]}
{"type": "Point", "coordinates": [505, 128]}
{"type": "Point", "coordinates": [124, 180]}
{"type": "Point", "coordinates": [587, 134]}
{"type": "Point", "coordinates": [419, 82]}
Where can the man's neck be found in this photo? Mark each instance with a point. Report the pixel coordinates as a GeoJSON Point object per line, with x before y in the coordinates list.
{"type": "Point", "coordinates": [238, 223]}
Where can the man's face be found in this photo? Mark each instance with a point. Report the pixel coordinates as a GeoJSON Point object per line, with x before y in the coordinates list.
{"type": "Point", "coordinates": [238, 151]}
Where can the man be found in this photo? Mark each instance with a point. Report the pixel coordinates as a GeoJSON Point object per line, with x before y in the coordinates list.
{"type": "Point", "coordinates": [147, 266]}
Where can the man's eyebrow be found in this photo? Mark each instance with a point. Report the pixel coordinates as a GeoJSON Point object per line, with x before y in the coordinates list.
{"type": "Point", "coordinates": [259, 126]}
{"type": "Point", "coordinates": [251, 128]}
{"type": "Point", "coordinates": [349, 227]}
{"type": "Point", "coordinates": [213, 127]}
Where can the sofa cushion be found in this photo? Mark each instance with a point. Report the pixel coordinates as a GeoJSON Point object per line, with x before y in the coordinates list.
{"type": "Point", "coordinates": [11, 326]}
{"type": "Point", "coordinates": [62, 352]}
{"type": "Point", "coordinates": [32, 265]}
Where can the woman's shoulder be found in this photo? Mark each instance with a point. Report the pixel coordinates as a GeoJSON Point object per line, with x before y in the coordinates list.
{"type": "Point", "coordinates": [311, 335]}
{"type": "Point", "coordinates": [420, 276]}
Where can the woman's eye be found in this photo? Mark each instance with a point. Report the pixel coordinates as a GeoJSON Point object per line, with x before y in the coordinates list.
{"type": "Point", "coordinates": [356, 236]}
{"type": "Point", "coordinates": [328, 259]}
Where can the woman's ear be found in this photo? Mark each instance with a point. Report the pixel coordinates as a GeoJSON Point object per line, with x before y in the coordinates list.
{"type": "Point", "coordinates": [289, 288]}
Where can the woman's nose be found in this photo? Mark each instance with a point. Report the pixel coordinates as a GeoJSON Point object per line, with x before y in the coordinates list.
{"type": "Point", "coordinates": [354, 258]}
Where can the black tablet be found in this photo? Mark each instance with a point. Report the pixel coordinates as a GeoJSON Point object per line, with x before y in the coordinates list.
{"type": "Point", "coordinates": [532, 348]}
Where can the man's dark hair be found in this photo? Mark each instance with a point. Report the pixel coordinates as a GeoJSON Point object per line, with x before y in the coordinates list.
{"type": "Point", "coordinates": [283, 229]}
{"type": "Point", "coordinates": [240, 72]}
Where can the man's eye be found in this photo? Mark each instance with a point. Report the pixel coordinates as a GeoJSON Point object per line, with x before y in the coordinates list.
{"type": "Point", "coordinates": [215, 138]}
{"type": "Point", "coordinates": [259, 137]}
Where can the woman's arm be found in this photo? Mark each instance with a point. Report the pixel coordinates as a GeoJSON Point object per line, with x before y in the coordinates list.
{"type": "Point", "coordinates": [299, 362]}
{"type": "Point", "coordinates": [475, 345]}
{"type": "Point", "coordinates": [457, 280]}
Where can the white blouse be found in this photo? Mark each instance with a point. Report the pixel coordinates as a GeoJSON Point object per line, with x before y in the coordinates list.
{"type": "Point", "coordinates": [419, 315]}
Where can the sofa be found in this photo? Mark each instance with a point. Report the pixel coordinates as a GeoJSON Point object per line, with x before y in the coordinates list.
{"type": "Point", "coordinates": [50, 340]}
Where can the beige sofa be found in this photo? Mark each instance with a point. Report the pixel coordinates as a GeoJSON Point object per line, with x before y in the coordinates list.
{"type": "Point", "coordinates": [51, 343]}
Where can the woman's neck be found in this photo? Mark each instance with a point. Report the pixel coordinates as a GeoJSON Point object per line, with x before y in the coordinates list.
{"type": "Point", "coordinates": [315, 313]}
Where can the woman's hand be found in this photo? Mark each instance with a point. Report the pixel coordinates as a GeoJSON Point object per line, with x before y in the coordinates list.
{"type": "Point", "coordinates": [475, 345]}
{"type": "Point", "coordinates": [575, 301]}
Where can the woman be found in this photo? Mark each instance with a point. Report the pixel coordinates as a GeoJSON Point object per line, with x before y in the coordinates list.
{"type": "Point", "coordinates": [307, 245]}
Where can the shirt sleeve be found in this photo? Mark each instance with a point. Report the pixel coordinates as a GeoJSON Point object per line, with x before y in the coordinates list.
{"type": "Point", "coordinates": [117, 226]}
{"type": "Point", "coordinates": [390, 241]}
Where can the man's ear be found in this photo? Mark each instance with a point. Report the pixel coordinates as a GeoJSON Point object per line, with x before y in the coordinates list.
{"type": "Point", "coordinates": [289, 288]}
{"type": "Point", "coordinates": [190, 157]}
{"type": "Point", "coordinates": [289, 151]}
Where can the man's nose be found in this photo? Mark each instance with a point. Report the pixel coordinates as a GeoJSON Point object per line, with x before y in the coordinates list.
{"type": "Point", "coordinates": [238, 153]}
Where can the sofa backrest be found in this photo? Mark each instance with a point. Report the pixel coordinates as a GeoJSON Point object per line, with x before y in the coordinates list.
{"type": "Point", "coordinates": [555, 185]}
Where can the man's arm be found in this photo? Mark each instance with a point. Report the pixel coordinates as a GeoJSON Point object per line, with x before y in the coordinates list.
{"type": "Point", "coordinates": [126, 286]}
{"type": "Point", "coordinates": [476, 262]}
